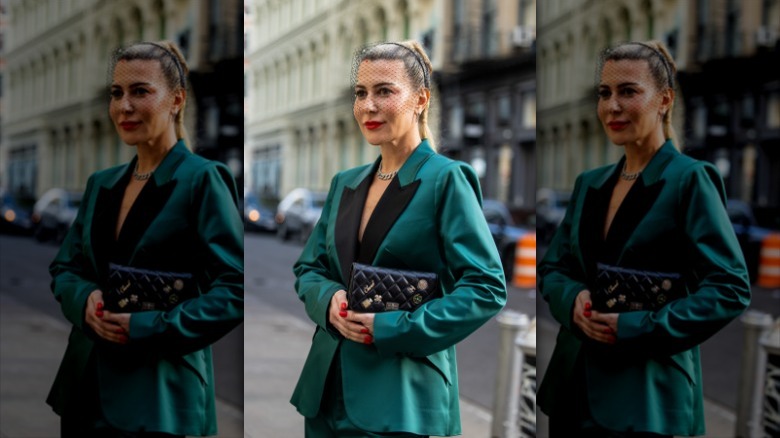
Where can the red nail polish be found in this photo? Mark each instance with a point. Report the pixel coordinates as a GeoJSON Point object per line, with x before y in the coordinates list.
{"type": "Point", "coordinates": [99, 306]}
{"type": "Point", "coordinates": [99, 313]}
{"type": "Point", "coordinates": [368, 339]}
{"type": "Point", "coordinates": [343, 306]}
{"type": "Point", "coordinates": [123, 339]}
{"type": "Point", "coordinates": [587, 306]}
{"type": "Point", "coordinates": [607, 330]}
{"type": "Point", "coordinates": [120, 330]}
{"type": "Point", "coordinates": [586, 313]}
{"type": "Point", "coordinates": [343, 313]}
{"type": "Point", "coordinates": [364, 330]}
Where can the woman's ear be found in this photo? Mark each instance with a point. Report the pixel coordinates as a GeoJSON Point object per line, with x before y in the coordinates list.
{"type": "Point", "coordinates": [667, 100]}
{"type": "Point", "coordinates": [423, 97]}
{"type": "Point", "coordinates": [179, 98]}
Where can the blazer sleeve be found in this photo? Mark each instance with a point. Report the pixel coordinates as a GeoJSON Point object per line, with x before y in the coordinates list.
{"type": "Point", "coordinates": [315, 279]}
{"type": "Point", "coordinates": [561, 277]}
{"type": "Point", "coordinates": [73, 276]}
{"type": "Point", "coordinates": [470, 257]}
{"type": "Point", "coordinates": [723, 290]}
{"type": "Point", "coordinates": [199, 322]}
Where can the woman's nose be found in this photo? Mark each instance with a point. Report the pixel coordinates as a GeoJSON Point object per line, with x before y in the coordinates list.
{"type": "Point", "coordinates": [613, 105]}
{"type": "Point", "coordinates": [125, 105]}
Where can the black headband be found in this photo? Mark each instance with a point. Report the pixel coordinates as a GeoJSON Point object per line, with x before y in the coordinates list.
{"type": "Point", "coordinates": [426, 79]}
{"type": "Point", "coordinates": [175, 60]}
{"type": "Point", "coordinates": [667, 67]}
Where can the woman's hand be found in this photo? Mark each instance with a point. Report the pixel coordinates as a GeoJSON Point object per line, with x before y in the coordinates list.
{"type": "Point", "coordinates": [601, 327]}
{"type": "Point", "coordinates": [348, 323]}
{"type": "Point", "coordinates": [113, 327]}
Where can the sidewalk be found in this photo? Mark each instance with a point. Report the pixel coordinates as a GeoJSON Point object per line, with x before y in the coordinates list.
{"type": "Point", "coordinates": [275, 348]}
{"type": "Point", "coordinates": [720, 421]}
{"type": "Point", "coordinates": [31, 346]}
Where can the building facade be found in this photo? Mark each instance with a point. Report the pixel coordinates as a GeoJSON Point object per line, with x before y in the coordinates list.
{"type": "Point", "coordinates": [56, 130]}
{"type": "Point", "coordinates": [712, 42]}
{"type": "Point", "coordinates": [487, 86]}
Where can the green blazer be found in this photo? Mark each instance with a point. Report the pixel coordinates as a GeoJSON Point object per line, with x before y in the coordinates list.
{"type": "Point", "coordinates": [186, 220]}
{"type": "Point", "coordinates": [429, 219]}
{"type": "Point", "coordinates": [674, 220]}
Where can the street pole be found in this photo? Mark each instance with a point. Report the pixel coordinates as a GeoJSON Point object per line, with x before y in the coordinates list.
{"type": "Point", "coordinates": [753, 359]}
{"type": "Point", "coordinates": [511, 324]}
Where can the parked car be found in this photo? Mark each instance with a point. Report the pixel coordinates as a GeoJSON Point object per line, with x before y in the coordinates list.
{"type": "Point", "coordinates": [298, 212]}
{"type": "Point", "coordinates": [551, 207]}
{"type": "Point", "coordinates": [505, 233]}
{"type": "Point", "coordinates": [258, 213]}
{"type": "Point", "coordinates": [15, 212]}
{"type": "Point", "coordinates": [749, 234]}
{"type": "Point", "coordinates": [54, 212]}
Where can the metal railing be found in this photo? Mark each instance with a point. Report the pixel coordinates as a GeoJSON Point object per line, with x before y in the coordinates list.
{"type": "Point", "coordinates": [514, 408]}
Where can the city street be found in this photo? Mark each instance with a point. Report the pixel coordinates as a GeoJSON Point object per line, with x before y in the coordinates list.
{"type": "Point", "coordinates": [24, 288]}
{"type": "Point", "coordinates": [268, 275]}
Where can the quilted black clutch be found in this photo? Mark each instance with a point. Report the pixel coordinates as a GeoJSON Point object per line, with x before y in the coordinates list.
{"type": "Point", "coordinates": [373, 289]}
{"type": "Point", "coordinates": [623, 290]}
{"type": "Point", "coordinates": [134, 289]}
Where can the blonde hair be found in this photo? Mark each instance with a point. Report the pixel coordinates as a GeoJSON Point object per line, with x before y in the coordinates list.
{"type": "Point", "coordinates": [174, 69]}
{"type": "Point", "coordinates": [662, 69]}
{"type": "Point", "coordinates": [418, 68]}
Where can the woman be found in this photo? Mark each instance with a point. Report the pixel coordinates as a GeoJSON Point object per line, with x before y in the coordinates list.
{"type": "Point", "coordinates": [637, 373]}
{"type": "Point", "coordinates": [148, 373]}
{"type": "Point", "coordinates": [394, 373]}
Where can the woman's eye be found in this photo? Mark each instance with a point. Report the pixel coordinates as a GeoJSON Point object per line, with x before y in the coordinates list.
{"type": "Point", "coordinates": [140, 91]}
{"type": "Point", "coordinates": [628, 92]}
{"type": "Point", "coordinates": [385, 91]}
{"type": "Point", "coordinates": [603, 94]}
{"type": "Point", "coordinates": [115, 94]}
{"type": "Point", "coordinates": [360, 94]}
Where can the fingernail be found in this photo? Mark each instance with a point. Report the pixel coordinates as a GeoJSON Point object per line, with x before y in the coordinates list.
{"type": "Point", "coordinates": [368, 339]}
{"type": "Point", "coordinates": [120, 331]}
{"type": "Point", "coordinates": [99, 306]}
{"type": "Point", "coordinates": [343, 306]}
{"type": "Point", "coordinates": [587, 306]}
{"type": "Point", "coordinates": [364, 330]}
{"type": "Point", "coordinates": [343, 313]}
{"type": "Point", "coordinates": [586, 313]}
{"type": "Point", "coordinates": [99, 313]}
{"type": "Point", "coordinates": [123, 339]}
{"type": "Point", "coordinates": [607, 330]}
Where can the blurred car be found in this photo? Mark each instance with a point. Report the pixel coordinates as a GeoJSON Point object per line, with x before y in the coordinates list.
{"type": "Point", "coordinates": [258, 213]}
{"type": "Point", "coordinates": [551, 207]}
{"type": "Point", "coordinates": [298, 212]}
{"type": "Point", "coordinates": [505, 233]}
{"type": "Point", "coordinates": [749, 234]}
{"type": "Point", "coordinates": [54, 212]}
{"type": "Point", "coordinates": [15, 213]}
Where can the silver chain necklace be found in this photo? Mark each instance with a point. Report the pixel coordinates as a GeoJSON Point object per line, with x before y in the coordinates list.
{"type": "Point", "coordinates": [629, 176]}
{"type": "Point", "coordinates": [385, 176]}
{"type": "Point", "coordinates": [141, 176]}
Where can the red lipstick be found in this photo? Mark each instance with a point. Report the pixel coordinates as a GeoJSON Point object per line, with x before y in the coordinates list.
{"type": "Point", "coordinates": [617, 126]}
{"type": "Point", "coordinates": [129, 126]}
{"type": "Point", "coordinates": [372, 125]}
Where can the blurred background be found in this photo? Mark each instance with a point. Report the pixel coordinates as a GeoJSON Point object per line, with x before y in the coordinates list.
{"type": "Point", "coordinates": [300, 131]}
{"type": "Point", "coordinates": [727, 112]}
{"type": "Point", "coordinates": [55, 131]}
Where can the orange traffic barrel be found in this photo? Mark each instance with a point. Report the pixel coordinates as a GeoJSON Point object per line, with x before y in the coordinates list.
{"type": "Point", "coordinates": [525, 261]}
{"type": "Point", "coordinates": [769, 263]}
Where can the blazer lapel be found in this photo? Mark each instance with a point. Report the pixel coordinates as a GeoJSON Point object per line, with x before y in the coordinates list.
{"type": "Point", "coordinates": [389, 208]}
{"type": "Point", "coordinates": [348, 221]}
{"type": "Point", "coordinates": [107, 203]}
{"type": "Point", "coordinates": [594, 210]}
{"type": "Point", "coordinates": [152, 199]}
{"type": "Point", "coordinates": [640, 200]}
